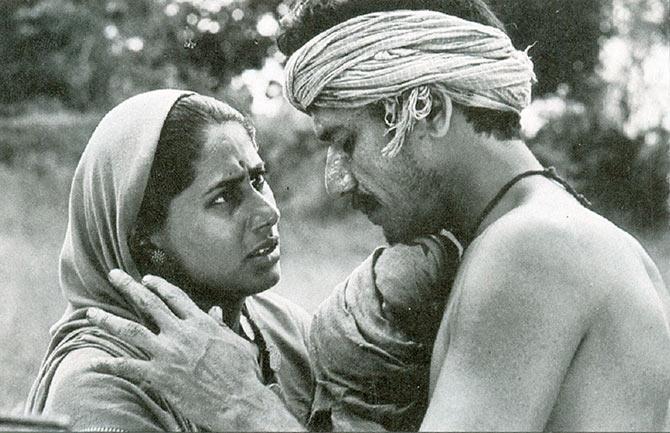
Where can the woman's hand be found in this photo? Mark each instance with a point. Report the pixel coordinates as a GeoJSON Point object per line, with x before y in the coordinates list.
{"type": "Point", "coordinates": [206, 370]}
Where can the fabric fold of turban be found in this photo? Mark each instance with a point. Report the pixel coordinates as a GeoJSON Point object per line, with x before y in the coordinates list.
{"type": "Point", "coordinates": [380, 55]}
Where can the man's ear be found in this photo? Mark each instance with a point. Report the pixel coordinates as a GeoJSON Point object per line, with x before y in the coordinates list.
{"type": "Point", "coordinates": [439, 119]}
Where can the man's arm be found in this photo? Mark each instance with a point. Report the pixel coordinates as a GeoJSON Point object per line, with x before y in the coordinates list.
{"type": "Point", "coordinates": [522, 313]}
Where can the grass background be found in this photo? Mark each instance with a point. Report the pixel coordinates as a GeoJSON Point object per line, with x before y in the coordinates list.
{"type": "Point", "coordinates": [38, 153]}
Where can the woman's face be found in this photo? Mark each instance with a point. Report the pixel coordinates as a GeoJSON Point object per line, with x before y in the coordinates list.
{"type": "Point", "coordinates": [222, 229]}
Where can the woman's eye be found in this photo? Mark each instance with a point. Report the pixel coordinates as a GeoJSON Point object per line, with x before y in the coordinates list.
{"type": "Point", "coordinates": [227, 196]}
{"type": "Point", "coordinates": [258, 182]}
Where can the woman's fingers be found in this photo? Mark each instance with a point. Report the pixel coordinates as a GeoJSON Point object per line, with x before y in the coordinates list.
{"type": "Point", "coordinates": [173, 296]}
{"type": "Point", "coordinates": [133, 370]}
{"type": "Point", "coordinates": [142, 298]}
{"type": "Point", "coordinates": [128, 331]}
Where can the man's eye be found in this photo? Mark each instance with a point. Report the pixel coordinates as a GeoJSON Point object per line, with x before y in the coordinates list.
{"type": "Point", "coordinates": [258, 182]}
{"type": "Point", "coordinates": [348, 145]}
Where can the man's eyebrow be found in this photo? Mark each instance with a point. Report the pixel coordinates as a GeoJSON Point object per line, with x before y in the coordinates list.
{"type": "Point", "coordinates": [325, 134]}
{"type": "Point", "coordinates": [331, 133]}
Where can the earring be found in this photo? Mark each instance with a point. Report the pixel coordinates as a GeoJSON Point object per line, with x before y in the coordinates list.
{"type": "Point", "coordinates": [158, 256]}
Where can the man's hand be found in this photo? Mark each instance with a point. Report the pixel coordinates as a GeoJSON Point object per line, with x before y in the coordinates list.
{"type": "Point", "coordinates": [202, 367]}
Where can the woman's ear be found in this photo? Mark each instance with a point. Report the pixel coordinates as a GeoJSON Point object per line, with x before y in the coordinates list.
{"type": "Point", "coordinates": [439, 119]}
{"type": "Point", "coordinates": [154, 250]}
{"type": "Point", "coordinates": [156, 239]}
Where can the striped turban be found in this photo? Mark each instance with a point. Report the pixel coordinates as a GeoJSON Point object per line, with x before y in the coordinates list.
{"type": "Point", "coordinates": [383, 55]}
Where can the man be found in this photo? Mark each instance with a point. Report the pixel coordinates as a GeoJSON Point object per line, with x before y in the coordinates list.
{"type": "Point", "coordinates": [558, 320]}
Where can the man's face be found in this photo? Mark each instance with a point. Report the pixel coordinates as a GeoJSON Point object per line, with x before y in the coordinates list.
{"type": "Point", "coordinates": [396, 193]}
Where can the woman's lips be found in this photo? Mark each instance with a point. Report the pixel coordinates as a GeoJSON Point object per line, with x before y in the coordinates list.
{"type": "Point", "coordinates": [265, 248]}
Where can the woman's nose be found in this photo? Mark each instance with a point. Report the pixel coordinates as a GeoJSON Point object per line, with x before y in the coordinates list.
{"type": "Point", "coordinates": [266, 214]}
{"type": "Point", "coordinates": [339, 179]}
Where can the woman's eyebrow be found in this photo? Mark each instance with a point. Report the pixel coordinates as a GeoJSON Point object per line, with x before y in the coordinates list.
{"type": "Point", "coordinates": [231, 181]}
{"type": "Point", "coordinates": [257, 170]}
{"type": "Point", "coordinates": [225, 183]}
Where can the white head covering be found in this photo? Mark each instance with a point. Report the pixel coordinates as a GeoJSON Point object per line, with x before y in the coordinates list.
{"type": "Point", "coordinates": [380, 55]}
{"type": "Point", "coordinates": [105, 198]}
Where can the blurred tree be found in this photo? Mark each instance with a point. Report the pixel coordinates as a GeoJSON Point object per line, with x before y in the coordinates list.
{"type": "Point", "coordinates": [615, 146]}
{"type": "Point", "coordinates": [48, 48]}
{"type": "Point", "coordinates": [564, 35]}
{"type": "Point", "coordinates": [92, 54]}
{"type": "Point", "coordinates": [624, 178]}
{"type": "Point", "coordinates": [75, 49]}
{"type": "Point", "coordinates": [95, 53]}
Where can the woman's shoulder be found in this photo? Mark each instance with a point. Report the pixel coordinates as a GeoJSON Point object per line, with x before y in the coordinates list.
{"type": "Point", "coordinates": [283, 323]}
{"type": "Point", "coordinates": [75, 376]}
{"type": "Point", "coordinates": [77, 369]}
{"type": "Point", "coordinates": [92, 399]}
{"type": "Point", "coordinates": [272, 299]}
{"type": "Point", "coordinates": [278, 312]}
{"type": "Point", "coordinates": [285, 329]}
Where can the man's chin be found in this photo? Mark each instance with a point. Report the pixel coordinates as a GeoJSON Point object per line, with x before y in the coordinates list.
{"type": "Point", "coordinates": [396, 237]}
{"type": "Point", "coordinates": [408, 233]}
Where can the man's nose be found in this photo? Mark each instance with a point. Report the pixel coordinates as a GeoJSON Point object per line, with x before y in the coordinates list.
{"type": "Point", "coordinates": [265, 214]}
{"type": "Point", "coordinates": [339, 178]}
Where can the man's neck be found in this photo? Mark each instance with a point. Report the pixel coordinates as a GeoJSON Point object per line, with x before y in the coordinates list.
{"type": "Point", "coordinates": [487, 169]}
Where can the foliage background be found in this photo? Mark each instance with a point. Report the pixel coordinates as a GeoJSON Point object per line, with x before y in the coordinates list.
{"type": "Point", "coordinates": [601, 115]}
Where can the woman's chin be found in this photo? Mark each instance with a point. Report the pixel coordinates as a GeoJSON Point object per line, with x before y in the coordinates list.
{"type": "Point", "coordinates": [273, 276]}
{"type": "Point", "coordinates": [265, 279]}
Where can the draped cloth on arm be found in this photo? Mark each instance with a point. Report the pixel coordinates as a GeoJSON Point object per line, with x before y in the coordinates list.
{"type": "Point", "coordinates": [381, 55]}
{"type": "Point", "coordinates": [371, 340]}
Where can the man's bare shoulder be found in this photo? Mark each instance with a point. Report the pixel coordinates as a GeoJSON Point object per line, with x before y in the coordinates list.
{"type": "Point", "coordinates": [565, 260]}
{"type": "Point", "coordinates": [567, 241]}
{"type": "Point", "coordinates": [524, 299]}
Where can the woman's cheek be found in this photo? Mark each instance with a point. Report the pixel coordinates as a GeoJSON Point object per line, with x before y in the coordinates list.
{"type": "Point", "coordinates": [223, 237]}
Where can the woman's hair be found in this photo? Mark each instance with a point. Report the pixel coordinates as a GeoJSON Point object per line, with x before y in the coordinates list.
{"type": "Point", "coordinates": [311, 17]}
{"type": "Point", "coordinates": [173, 169]}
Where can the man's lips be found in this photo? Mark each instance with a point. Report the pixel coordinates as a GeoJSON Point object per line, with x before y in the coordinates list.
{"type": "Point", "coordinates": [264, 248]}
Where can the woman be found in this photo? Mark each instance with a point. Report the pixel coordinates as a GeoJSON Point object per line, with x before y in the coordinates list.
{"type": "Point", "coordinates": [170, 184]}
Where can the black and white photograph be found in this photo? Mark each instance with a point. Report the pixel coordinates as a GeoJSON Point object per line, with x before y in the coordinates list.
{"type": "Point", "coordinates": [335, 215]}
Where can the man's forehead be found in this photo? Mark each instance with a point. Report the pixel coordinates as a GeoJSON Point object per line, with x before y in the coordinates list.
{"type": "Point", "coordinates": [325, 120]}
{"type": "Point", "coordinates": [327, 116]}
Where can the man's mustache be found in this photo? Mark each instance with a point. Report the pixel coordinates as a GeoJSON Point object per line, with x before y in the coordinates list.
{"type": "Point", "coordinates": [363, 202]}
